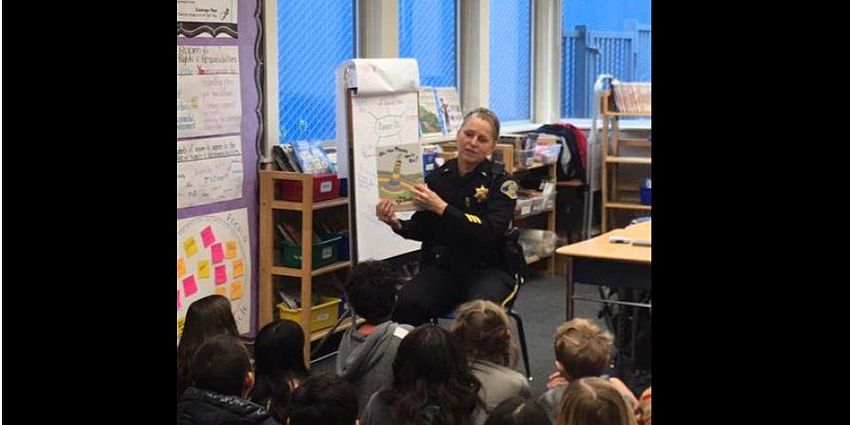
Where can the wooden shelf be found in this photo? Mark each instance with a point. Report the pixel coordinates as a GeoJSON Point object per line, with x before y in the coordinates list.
{"type": "Point", "coordinates": [612, 183]}
{"type": "Point", "coordinates": [299, 206]}
{"type": "Point", "coordinates": [269, 181]}
{"type": "Point", "coordinates": [628, 206]}
{"type": "Point", "coordinates": [315, 336]}
{"type": "Point", "coordinates": [628, 160]}
{"type": "Point", "coordinates": [289, 271]}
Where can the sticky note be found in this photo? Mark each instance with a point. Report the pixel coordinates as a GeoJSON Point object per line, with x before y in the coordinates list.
{"type": "Point", "coordinates": [179, 303]}
{"type": "Point", "coordinates": [203, 269]}
{"type": "Point", "coordinates": [220, 274]}
{"type": "Point", "coordinates": [217, 253]}
{"type": "Point", "coordinates": [236, 290]}
{"type": "Point", "coordinates": [181, 267]}
{"type": "Point", "coordinates": [189, 285]}
{"type": "Point", "coordinates": [190, 246]}
{"type": "Point", "coordinates": [221, 290]}
{"type": "Point", "coordinates": [238, 268]}
{"type": "Point", "coordinates": [207, 236]}
{"type": "Point", "coordinates": [230, 249]}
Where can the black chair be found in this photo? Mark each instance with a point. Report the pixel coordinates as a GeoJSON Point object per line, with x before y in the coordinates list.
{"type": "Point", "coordinates": [508, 305]}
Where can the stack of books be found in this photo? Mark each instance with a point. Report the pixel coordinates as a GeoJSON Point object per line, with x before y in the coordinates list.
{"type": "Point", "coordinates": [634, 98]}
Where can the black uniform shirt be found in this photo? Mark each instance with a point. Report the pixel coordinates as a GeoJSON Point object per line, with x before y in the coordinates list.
{"type": "Point", "coordinates": [480, 207]}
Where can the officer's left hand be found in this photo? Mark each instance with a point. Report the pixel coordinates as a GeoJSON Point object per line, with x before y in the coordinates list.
{"type": "Point", "coordinates": [423, 197]}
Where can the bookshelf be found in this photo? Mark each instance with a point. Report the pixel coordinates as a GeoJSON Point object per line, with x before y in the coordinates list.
{"type": "Point", "coordinates": [270, 266]}
{"type": "Point", "coordinates": [617, 193]}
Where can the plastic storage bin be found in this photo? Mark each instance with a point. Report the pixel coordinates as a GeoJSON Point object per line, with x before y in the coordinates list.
{"type": "Point", "coordinates": [325, 186]}
{"type": "Point", "coordinates": [324, 253]}
{"type": "Point", "coordinates": [322, 315]}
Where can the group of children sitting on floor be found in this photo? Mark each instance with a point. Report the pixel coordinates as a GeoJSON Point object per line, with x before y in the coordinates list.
{"type": "Point", "coordinates": [394, 374]}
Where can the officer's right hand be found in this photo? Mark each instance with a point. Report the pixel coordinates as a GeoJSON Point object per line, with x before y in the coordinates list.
{"type": "Point", "coordinates": [385, 210]}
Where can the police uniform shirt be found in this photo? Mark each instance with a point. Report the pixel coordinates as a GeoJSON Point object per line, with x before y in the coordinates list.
{"type": "Point", "coordinates": [480, 207]}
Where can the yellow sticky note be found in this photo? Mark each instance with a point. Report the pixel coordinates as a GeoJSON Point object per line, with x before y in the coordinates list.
{"type": "Point", "coordinates": [190, 246]}
{"type": "Point", "coordinates": [181, 267]}
{"type": "Point", "coordinates": [221, 290]}
{"type": "Point", "coordinates": [238, 268]}
{"type": "Point", "coordinates": [204, 268]}
{"type": "Point", "coordinates": [230, 249]}
{"type": "Point", "coordinates": [180, 322]}
{"type": "Point", "coordinates": [236, 290]}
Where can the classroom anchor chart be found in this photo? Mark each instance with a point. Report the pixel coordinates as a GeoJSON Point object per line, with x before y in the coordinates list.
{"type": "Point", "coordinates": [214, 257]}
{"type": "Point", "coordinates": [206, 18]}
{"type": "Point", "coordinates": [209, 170]}
{"type": "Point", "coordinates": [209, 99]}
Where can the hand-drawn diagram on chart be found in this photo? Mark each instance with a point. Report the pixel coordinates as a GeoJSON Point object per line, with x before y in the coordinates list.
{"type": "Point", "coordinates": [214, 257]}
{"type": "Point", "coordinates": [399, 168]}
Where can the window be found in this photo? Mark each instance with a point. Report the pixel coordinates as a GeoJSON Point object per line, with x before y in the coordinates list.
{"type": "Point", "coordinates": [602, 37]}
{"type": "Point", "coordinates": [510, 60]}
{"type": "Point", "coordinates": [313, 40]}
{"type": "Point", "coordinates": [427, 31]}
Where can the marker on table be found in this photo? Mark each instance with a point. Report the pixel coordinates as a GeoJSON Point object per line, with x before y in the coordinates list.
{"type": "Point", "coordinates": [619, 239]}
{"type": "Point", "coordinates": [642, 242]}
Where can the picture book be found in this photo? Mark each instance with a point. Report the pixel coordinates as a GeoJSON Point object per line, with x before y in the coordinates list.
{"type": "Point", "coordinates": [312, 159]}
{"type": "Point", "coordinates": [448, 103]}
{"type": "Point", "coordinates": [430, 124]}
{"type": "Point", "coordinates": [399, 168]}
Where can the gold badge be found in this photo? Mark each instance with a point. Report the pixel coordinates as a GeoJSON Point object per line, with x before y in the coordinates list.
{"type": "Point", "coordinates": [481, 193]}
{"type": "Point", "coordinates": [509, 188]}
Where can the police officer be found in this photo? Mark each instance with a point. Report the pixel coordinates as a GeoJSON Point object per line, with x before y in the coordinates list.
{"type": "Point", "coordinates": [465, 206]}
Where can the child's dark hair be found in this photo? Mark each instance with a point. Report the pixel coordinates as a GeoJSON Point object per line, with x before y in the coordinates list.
{"type": "Point", "coordinates": [430, 369]}
{"type": "Point", "coordinates": [372, 290]}
{"type": "Point", "coordinates": [279, 361]}
{"type": "Point", "coordinates": [209, 316]}
{"type": "Point", "coordinates": [323, 399]}
{"type": "Point", "coordinates": [220, 365]}
{"type": "Point", "coordinates": [518, 411]}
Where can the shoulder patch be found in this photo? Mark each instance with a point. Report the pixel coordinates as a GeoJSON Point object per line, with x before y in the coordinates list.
{"type": "Point", "coordinates": [509, 188]}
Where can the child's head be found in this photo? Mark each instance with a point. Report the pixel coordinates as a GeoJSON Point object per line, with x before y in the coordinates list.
{"type": "Point", "coordinates": [582, 348]}
{"type": "Point", "coordinates": [372, 290]}
{"type": "Point", "coordinates": [518, 411]}
{"type": "Point", "coordinates": [210, 315]}
{"type": "Point", "coordinates": [207, 317]}
{"type": "Point", "coordinates": [482, 327]}
{"type": "Point", "coordinates": [279, 349]}
{"type": "Point", "coordinates": [428, 353]}
{"type": "Point", "coordinates": [222, 365]}
{"type": "Point", "coordinates": [324, 399]}
{"type": "Point", "coordinates": [594, 401]}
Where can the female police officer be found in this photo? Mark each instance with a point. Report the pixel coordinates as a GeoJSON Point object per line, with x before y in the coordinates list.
{"type": "Point", "coordinates": [465, 207]}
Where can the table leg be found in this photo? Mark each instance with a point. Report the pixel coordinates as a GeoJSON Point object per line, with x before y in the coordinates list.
{"type": "Point", "coordinates": [570, 288]}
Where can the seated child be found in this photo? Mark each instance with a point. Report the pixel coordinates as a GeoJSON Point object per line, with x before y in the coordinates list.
{"type": "Point", "coordinates": [582, 349]}
{"type": "Point", "coordinates": [323, 399]}
{"type": "Point", "coordinates": [221, 379]}
{"type": "Point", "coordinates": [482, 328]}
{"type": "Point", "coordinates": [366, 352]}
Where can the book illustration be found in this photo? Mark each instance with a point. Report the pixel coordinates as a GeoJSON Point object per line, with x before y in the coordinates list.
{"type": "Point", "coordinates": [429, 120]}
{"type": "Point", "coordinates": [399, 168]}
{"type": "Point", "coordinates": [450, 110]}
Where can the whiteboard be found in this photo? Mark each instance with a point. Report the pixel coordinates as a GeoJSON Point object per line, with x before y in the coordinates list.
{"type": "Point", "coordinates": [379, 122]}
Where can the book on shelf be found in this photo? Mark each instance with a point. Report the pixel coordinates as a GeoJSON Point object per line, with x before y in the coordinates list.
{"type": "Point", "coordinates": [448, 104]}
{"type": "Point", "coordinates": [311, 157]}
{"type": "Point", "coordinates": [632, 97]}
{"type": "Point", "coordinates": [430, 120]}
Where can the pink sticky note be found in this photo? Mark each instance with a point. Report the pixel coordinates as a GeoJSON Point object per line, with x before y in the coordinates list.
{"type": "Point", "coordinates": [217, 253]}
{"type": "Point", "coordinates": [207, 236]}
{"type": "Point", "coordinates": [189, 285]}
{"type": "Point", "coordinates": [220, 274]}
{"type": "Point", "coordinates": [179, 303]}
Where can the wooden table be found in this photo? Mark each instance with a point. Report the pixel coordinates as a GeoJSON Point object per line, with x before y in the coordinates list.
{"type": "Point", "coordinates": [598, 261]}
